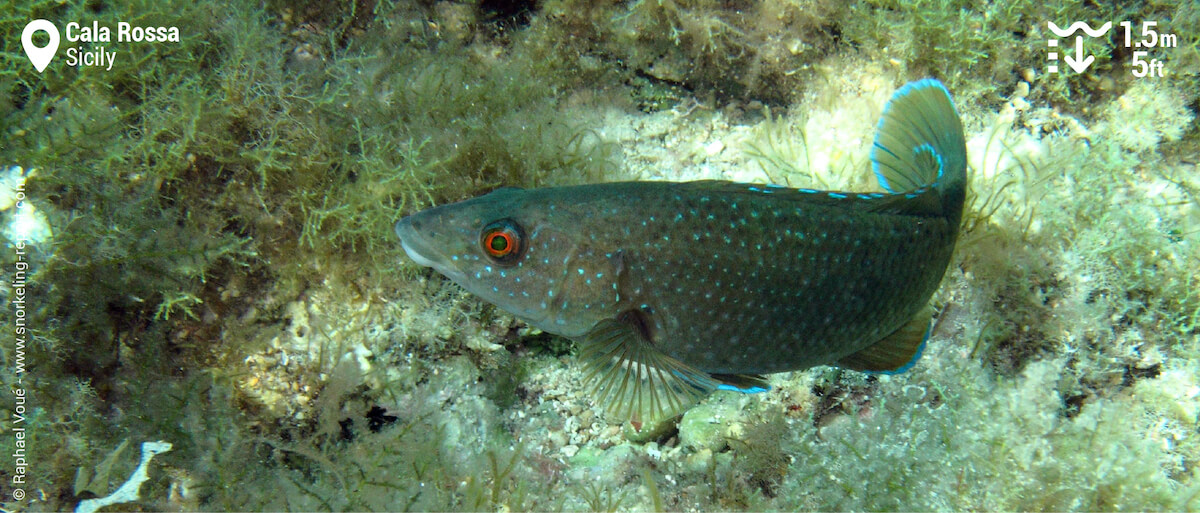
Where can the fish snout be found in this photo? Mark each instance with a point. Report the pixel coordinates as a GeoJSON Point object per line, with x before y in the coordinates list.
{"type": "Point", "coordinates": [411, 231]}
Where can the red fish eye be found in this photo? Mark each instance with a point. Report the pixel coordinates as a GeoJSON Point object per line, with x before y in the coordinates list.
{"type": "Point", "coordinates": [499, 243]}
{"type": "Point", "coordinates": [501, 240]}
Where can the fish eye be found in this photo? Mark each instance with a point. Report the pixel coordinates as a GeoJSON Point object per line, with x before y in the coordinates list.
{"type": "Point", "coordinates": [502, 240]}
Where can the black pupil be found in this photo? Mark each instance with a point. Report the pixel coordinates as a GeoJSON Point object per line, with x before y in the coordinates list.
{"type": "Point", "coordinates": [499, 242]}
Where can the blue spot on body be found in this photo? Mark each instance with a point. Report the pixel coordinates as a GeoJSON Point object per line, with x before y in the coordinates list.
{"type": "Point", "coordinates": [837, 195]}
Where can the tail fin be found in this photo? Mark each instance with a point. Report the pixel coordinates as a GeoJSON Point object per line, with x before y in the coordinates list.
{"type": "Point", "coordinates": [919, 143]}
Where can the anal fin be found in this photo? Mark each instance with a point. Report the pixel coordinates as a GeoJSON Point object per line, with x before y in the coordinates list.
{"type": "Point", "coordinates": [744, 383]}
{"type": "Point", "coordinates": [895, 353]}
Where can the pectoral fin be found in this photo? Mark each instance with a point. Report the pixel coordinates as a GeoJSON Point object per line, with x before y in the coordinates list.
{"type": "Point", "coordinates": [634, 380]}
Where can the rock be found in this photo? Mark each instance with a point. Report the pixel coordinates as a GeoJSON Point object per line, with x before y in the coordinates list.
{"type": "Point", "coordinates": [647, 431]}
{"type": "Point", "coordinates": [713, 148]}
{"type": "Point", "coordinates": [558, 438]}
{"type": "Point", "coordinates": [586, 456]}
{"type": "Point", "coordinates": [699, 461]}
{"type": "Point", "coordinates": [704, 426]}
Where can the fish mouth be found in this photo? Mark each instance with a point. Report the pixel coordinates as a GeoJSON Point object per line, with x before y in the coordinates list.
{"type": "Point", "coordinates": [419, 249]}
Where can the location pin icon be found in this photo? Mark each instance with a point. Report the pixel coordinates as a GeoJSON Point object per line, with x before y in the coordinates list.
{"type": "Point", "coordinates": [40, 57]}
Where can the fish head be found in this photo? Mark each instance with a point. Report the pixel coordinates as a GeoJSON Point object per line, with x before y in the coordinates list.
{"type": "Point", "coordinates": [516, 250]}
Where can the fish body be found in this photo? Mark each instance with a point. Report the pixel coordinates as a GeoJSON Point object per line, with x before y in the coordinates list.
{"type": "Point", "coordinates": [676, 289]}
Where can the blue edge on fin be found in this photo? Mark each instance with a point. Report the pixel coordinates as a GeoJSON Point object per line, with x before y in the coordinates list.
{"type": "Point", "coordinates": [900, 93]}
{"type": "Point", "coordinates": [916, 356]}
{"type": "Point", "coordinates": [722, 386]}
{"type": "Point", "coordinates": [751, 390]}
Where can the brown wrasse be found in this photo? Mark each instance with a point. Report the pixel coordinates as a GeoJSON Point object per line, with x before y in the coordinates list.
{"type": "Point", "coordinates": [673, 290]}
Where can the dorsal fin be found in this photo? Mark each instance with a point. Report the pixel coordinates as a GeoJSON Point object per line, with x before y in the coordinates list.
{"type": "Point", "coordinates": [505, 190]}
{"type": "Point", "coordinates": [895, 353]}
{"type": "Point", "coordinates": [811, 196]}
{"type": "Point", "coordinates": [808, 197]}
{"type": "Point", "coordinates": [921, 202]}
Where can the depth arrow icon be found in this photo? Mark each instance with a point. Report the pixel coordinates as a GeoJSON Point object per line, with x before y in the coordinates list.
{"type": "Point", "coordinates": [1079, 63]}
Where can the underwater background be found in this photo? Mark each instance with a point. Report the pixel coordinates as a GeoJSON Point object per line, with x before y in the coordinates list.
{"type": "Point", "coordinates": [203, 255]}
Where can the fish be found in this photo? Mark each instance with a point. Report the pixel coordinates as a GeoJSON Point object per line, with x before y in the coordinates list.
{"type": "Point", "coordinates": [673, 290]}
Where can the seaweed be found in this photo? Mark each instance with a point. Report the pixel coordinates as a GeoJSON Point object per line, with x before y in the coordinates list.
{"type": "Point", "coordinates": [600, 497]}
